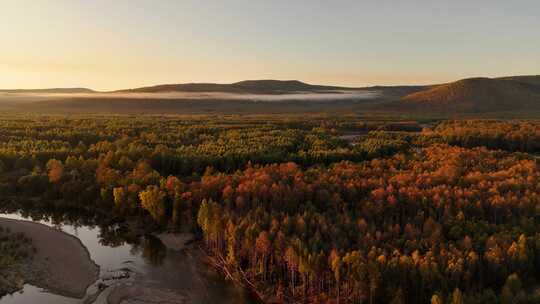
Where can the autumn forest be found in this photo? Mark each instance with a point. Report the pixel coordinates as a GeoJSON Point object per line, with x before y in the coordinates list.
{"type": "Point", "coordinates": [305, 209]}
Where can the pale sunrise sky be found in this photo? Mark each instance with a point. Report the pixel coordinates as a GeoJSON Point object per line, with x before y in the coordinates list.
{"type": "Point", "coordinates": [106, 45]}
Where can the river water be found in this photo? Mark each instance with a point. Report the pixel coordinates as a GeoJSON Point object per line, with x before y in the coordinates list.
{"type": "Point", "coordinates": [146, 263]}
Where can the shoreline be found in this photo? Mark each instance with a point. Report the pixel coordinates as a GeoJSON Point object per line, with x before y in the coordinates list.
{"type": "Point", "coordinates": [61, 263]}
{"type": "Point", "coordinates": [238, 278]}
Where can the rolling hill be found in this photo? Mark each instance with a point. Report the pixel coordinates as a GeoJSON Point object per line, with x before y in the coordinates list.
{"type": "Point", "coordinates": [477, 95]}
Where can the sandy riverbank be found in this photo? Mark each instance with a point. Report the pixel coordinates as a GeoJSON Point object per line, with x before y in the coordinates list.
{"type": "Point", "coordinates": [61, 263]}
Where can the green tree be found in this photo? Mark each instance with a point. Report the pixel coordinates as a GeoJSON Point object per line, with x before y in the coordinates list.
{"type": "Point", "coordinates": [152, 200]}
{"type": "Point", "coordinates": [203, 216]}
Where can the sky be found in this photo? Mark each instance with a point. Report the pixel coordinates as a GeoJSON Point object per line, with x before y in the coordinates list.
{"type": "Point", "coordinates": [107, 45]}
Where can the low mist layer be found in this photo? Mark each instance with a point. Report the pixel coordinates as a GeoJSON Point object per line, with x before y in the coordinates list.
{"type": "Point", "coordinates": [325, 96]}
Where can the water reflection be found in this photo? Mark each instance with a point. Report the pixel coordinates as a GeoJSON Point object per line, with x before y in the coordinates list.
{"type": "Point", "coordinates": [125, 255]}
{"type": "Point", "coordinates": [153, 250]}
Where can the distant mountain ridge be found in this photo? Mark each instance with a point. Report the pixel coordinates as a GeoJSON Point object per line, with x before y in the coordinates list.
{"type": "Point", "coordinates": [50, 91]}
{"type": "Point", "coordinates": [479, 96]}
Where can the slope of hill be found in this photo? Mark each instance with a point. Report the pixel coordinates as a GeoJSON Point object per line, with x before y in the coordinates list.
{"type": "Point", "coordinates": [247, 86]}
{"type": "Point", "coordinates": [477, 95]}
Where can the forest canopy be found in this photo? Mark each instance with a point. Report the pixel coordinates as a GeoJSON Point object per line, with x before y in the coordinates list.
{"type": "Point", "coordinates": [310, 209]}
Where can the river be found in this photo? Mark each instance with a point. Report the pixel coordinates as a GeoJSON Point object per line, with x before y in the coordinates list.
{"type": "Point", "coordinates": [146, 263]}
